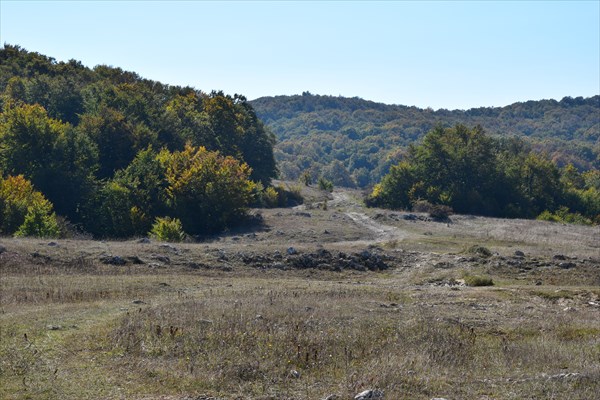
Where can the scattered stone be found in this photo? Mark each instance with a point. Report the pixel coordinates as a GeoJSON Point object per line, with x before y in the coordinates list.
{"type": "Point", "coordinates": [410, 217]}
{"type": "Point", "coordinates": [134, 260]}
{"type": "Point", "coordinates": [303, 214]}
{"type": "Point", "coordinates": [170, 247]}
{"type": "Point", "coordinates": [559, 257]}
{"type": "Point", "coordinates": [565, 375]}
{"type": "Point", "coordinates": [331, 397]}
{"type": "Point", "coordinates": [161, 258]}
{"type": "Point", "coordinates": [235, 238]}
{"type": "Point", "coordinates": [144, 241]}
{"type": "Point", "coordinates": [163, 284]}
{"type": "Point", "coordinates": [138, 302]}
{"type": "Point", "coordinates": [295, 374]}
{"type": "Point", "coordinates": [480, 251]}
{"type": "Point", "coordinates": [113, 260]}
{"type": "Point", "coordinates": [53, 327]}
{"type": "Point", "coordinates": [53, 244]}
{"type": "Point", "coordinates": [566, 265]}
{"type": "Point", "coordinates": [519, 253]}
{"type": "Point", "coordinates": [369, 395]}
{"type": "Point", "coordinates": [538, 283]}
{"type": "Point", "coordinates": [291, 251]}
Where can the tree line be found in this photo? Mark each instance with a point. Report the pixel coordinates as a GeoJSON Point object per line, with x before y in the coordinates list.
{"type": "Point", "coordinates": [354, 142]}
{"type": "Point", "coordinates": [473, 173]}
{"type": "Point", "coordinates": [111, 151]}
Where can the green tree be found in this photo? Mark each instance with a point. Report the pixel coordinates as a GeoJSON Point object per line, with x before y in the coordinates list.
{"type": "Point", "coordinates": [206, 191]}
{"type": "Point", "coordinates": [24, 209]}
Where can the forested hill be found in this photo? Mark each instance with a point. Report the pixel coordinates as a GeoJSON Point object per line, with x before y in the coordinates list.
{"type": "Point", "coordinates": [354, 141]}
{"type": "Point", "coordinates": [112, 151]}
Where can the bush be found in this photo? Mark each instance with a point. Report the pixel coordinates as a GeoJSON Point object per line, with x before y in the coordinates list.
{"type": "Point", "coordinates": [167, 230]}
{"type": "Point", "coordinates": [40, 221]}
{"type": "Point", "coordinates": [325, 184]}
{"type": "Point", "coordinates": [438, 212]}
{"type": "Point", "coordinates": [24, 210]}
{"type": "Point", "coordinates": [563, 215]}
{"type": "Point", "coordinates": [473, 280]}
{"type": "Point", "coordinates": [270, 197]}
{"type": "Point", "coordinates": [480, 251]}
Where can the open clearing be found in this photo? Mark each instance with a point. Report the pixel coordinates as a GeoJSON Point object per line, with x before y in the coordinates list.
{"type": "Point", "coordinates": [319, 301]}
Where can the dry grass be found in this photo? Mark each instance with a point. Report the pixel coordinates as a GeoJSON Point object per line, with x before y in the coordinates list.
{"type": "Point", "coordinates": [208, 324]}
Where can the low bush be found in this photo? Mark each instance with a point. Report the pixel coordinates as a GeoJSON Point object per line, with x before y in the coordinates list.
{"type": "Point", "coordinates": [168, 230]}
{"type": "Point", "coordinates": [474, 280]}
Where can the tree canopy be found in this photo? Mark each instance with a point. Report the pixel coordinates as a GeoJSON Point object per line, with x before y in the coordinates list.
{"type": "Point", "coordinates": [315, 132]}
{"type": "Point", "coordinates": [95, 141]}
{"type": "Point", "coordinates": [474, 173]}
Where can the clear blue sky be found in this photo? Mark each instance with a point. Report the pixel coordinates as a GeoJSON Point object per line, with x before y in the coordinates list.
{"type": "Point", "coordinates": [442, 54]}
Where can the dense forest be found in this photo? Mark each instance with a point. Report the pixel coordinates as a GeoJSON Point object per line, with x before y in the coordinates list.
{"type": "Point", "coordinates": [466, 171]}
{"type": "Point", "coordinates": [353, 142]}
{"type": "Point", "coordinates": [102, 151]}
{"type": "Point", "coordinates": [112, 153]}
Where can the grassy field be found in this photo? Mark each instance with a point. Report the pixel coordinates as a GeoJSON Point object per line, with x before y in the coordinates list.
{"type": "Point", "coordinates": [238, 317]}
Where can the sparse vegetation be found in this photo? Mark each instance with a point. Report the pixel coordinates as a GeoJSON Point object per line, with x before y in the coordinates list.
{"type": "Point", "coordinates": [475, 280]}
{"type": "Point", "coordinates": [243, 316]}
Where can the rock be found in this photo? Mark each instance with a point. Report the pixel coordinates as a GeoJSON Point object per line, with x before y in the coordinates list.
{"type": "Point", "coordinates": [331, 397]}
{"type": "Point", "coordinates": [2, 249]}
{"type": "Point", "coordinates": [138, 302]}
{"type": "Point", "coordinates": [369, 395]}
{"type": "Point", "coordinates": [559, 257]}
{"type": "Point", "coordinates": [135, 260]}
{"type": "Point", "coordinates": [144, 241]}
{"type": "Point", "coordinates": [53, 244]}
{"type": "Point", "coordinates": [161, 258]}
{"type": "Point", "coordinates": [170, 247]}
{"type": "Point", "coordinates": [295, 374]}
{"type": "Point", "coordinates": [566, 265]}
{"type": "Point", "coordinates": [519, 253]}
{"type": "Point", "coordinates": [113, 260]}
{"type": "Point", "coordinates": [303, 214]}
{"type": "Point", "coordinates": [53, 327]}
{"type": "Point", "coordinates": [291, 251]}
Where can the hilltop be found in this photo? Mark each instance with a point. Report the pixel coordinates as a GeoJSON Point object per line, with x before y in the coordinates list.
{"type": "Point", "coordinates": [354, 141]}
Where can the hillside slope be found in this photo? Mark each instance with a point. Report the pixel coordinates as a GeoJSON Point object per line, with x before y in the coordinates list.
{"type": "Point", "coordinates": [354, 141]}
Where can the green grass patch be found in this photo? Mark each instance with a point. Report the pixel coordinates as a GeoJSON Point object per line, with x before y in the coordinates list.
{"type": "Point", "coordinates": [475, 280]}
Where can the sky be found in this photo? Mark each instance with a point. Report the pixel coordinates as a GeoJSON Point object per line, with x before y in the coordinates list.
{"type": "Point", "coordinates": [439, 54]}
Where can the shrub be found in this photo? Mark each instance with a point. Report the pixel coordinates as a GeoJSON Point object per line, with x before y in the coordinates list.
{"type": "Point", "coordinates": [40, 221]}
{"type": "Point", "coordinates": [563, 215]}
{"type": "Point", "coordinates": [24, 209]}
{"type": "Point", "coordinates": [325, 184]}
{"type": "Point", "coordinates": [438, 212]}
{"type": "Point", "coordinates": [473, 280]}
{"type": "Point", "coordinates": [270, 197]}
{"type": "Point", "coordinates": [480, 251]}
{"type": "Point", "coordinates": [167, 230]}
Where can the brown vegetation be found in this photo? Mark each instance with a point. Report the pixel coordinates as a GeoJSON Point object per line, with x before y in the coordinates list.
{"type": "Point", "coordinates": [148, 320]}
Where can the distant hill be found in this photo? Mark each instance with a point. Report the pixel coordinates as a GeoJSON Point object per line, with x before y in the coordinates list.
{"type": "Point", "coordinates": [354, 141]}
